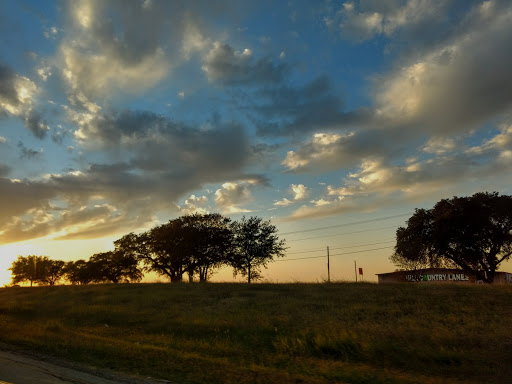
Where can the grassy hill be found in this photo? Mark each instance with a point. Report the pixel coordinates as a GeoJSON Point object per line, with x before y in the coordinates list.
{"type": "Point", "coordinates": [283, 333]}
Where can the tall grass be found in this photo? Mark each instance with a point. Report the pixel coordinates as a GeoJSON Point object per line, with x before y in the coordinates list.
{"type": "Point", "coordinates": [286, 333]}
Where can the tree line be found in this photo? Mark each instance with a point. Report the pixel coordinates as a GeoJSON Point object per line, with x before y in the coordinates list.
{"type": "Point", "coordinates": [192, 245]}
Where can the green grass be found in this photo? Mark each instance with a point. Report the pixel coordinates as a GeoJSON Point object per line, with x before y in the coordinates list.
{"type": "Point", "coordinates": [283, 333]}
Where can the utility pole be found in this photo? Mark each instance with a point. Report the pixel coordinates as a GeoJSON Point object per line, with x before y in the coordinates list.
{"type": "Point", "coordinates": [328, 267]}
{"type": "Point", "coordinates": [355, 269]}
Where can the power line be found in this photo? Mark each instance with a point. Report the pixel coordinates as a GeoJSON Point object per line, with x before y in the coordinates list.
{"type": "Point", "coordinates": [344, 247]}
{"type": "Point", "coordinates": [347, 224]}
{"type": "Point", "coordinates": [337, 254]}
{"type": "Point", "coordinates": [304, 258]}
{"type": "Point", "coordinates": [343, 233]}
{"type": "Point", "coordinates": [365, 250]}
{"type": "Point", "coordinates": [309, 251]}
{"type": "Point", "coordinates": [364, 245]}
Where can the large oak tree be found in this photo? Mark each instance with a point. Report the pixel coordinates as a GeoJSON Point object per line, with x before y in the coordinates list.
{"type": "Point", "coordinates": [473, 233]}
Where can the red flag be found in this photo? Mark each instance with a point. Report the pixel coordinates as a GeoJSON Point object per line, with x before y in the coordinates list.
{"type": "Point", "coordinates": [360, 271]}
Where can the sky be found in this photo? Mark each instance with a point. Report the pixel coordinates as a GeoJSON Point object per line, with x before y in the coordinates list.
{"type": "Point", "coordinates": [332, 119]}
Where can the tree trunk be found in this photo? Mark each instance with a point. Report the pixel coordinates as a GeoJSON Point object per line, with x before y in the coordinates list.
{"type": "Point", "coordinates": [175, 278]}
{"type": "Point", "coordinates": [249, 274]}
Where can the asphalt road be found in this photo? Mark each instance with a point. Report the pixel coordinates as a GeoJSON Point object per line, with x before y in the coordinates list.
{"type": "Point", "coordinates": [16, 368]}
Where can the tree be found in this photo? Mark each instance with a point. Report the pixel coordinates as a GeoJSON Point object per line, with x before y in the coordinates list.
{"type": "Point", "coordinates": [209, 241]}
{"type": "Point", "coordinates": [161, 249]}
{"type": "Point", "coordinates": [255, 244]}
{"type": "Point", "coordinates": [188, 244]}
{"type": "Point", "coordinates": [472, 233]}
{"type": "Point", "coordinates": [25, 268]}
{"type": "Point", "coordinates": [115, 266]}
{"type": "Point", "coordinates": [51, 270]}
{"type": "Point", "coordinates": [79, 272]}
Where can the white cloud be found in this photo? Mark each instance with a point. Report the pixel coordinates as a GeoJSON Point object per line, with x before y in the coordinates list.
{"type": "Point", "coordinates": [99, 60]}
{"type": "Point", "coordinates": [232, 195]}
{"type": "Point", "coordinates": [283, 203]}
{"type": "Point", "coordinates": [18, 97]}
{"type": "Point", "coordinates": [454, 86]}
{"type": "Point", "coordinates": [320, 202]}
{"type": "Point", "coordinates": [299, 191]}
{"type": "Point", "coordinates": [195, 204]}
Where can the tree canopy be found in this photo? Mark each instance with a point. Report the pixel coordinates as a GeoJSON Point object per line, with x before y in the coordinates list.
{"type": "Point", "coordinates": [36, 269]}
{"type": "Point", "coordinates": [255, 245]}
{"type": "Point", "coordinates": [473, 233]}
{"type": "Point", "coordinates": [189, 244]}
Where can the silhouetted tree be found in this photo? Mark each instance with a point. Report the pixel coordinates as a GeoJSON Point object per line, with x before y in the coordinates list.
{"type": "Point", "coordinates": [79, 272]}
{"type": "Point", "coordinates": [255, 244]}
{"type": "Point", "coordinates": [115, 266]}
{"type": "Point", "coordinates": [209, 240]}
{"type": "Point", "coordinates": [51, 270]}
{"type": "Point", "coordinates": [189, 244]}
{"type": "Point", "coordinates": [161, 249]}
{"type": "Point", "coordinates": [28, 268]}
{"type": "Point", "coordinates": [473, 233]}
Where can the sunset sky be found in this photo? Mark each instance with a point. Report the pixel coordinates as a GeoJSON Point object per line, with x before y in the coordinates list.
{"type": "Point", "coordinates": [333, 119]}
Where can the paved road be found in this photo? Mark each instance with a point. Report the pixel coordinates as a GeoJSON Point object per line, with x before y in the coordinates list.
{"type": "Point", "coordinates": [16, 368]}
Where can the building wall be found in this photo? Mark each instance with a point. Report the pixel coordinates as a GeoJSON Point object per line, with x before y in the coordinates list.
{"type": "Point", "coordinates": [438, 275]}
{"type": "Point", "coordinates": [429, 275]}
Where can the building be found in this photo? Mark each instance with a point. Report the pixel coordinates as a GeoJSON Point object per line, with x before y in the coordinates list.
{"type": "Point", "coordinates": [438, 275]}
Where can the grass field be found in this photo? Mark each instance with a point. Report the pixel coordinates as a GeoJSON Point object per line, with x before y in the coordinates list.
{"type": "Point", "coordinates": [282, 333]}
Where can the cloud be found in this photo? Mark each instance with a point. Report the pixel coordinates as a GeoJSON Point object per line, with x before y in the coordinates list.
{"type": "Point", "coordinates": [457, 85]}
{"type": "Point", "coordinates": [379, 182]}
{"type": "Point", "coordinates": [283, 203]}
{"type": "Point", "coordinates": [194, 204]}
{"type": "Point", "coordinates": [437, 94]}
{"type": "Point", "coordinates": [28, 153]}
{"type": "Point", "coordinates": [284, 110]}
{"type": "Point", "coordinates": [367, 19]}
{"type": "Point", "coordinates": [232, 195]}
{"type": "Point", "coordinates": [125, 47]}
{"type": "Point", "coordinates": [154, 162]}
{"type": "Point", "coordinates": [328, 151]}
{"type": "Point", "coordinates": [17, 94]}
{"type": "Point", "coordinates": [151, 142]}
{"type": "Point", "coordinates": [439, 145]}
{"type": "Point", "coordinates": [226, 66]}
{"type": "Point", "coordinates": [299, 192]}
